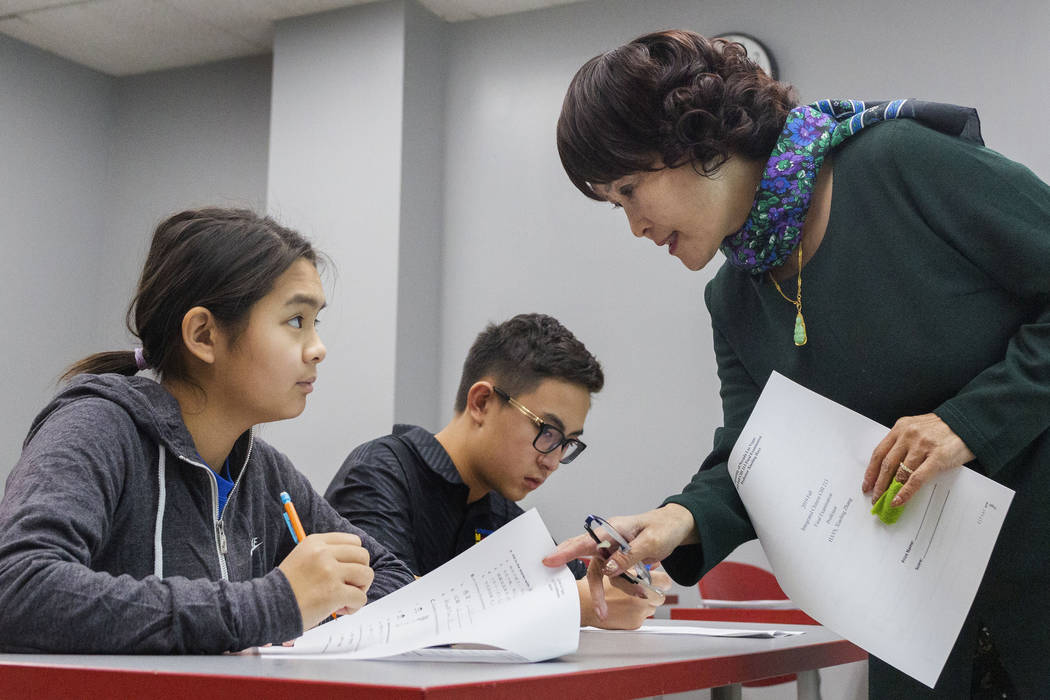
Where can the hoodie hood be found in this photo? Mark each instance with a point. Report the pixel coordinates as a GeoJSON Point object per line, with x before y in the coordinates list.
{"type": "Point", "coordinates": [152, 408]}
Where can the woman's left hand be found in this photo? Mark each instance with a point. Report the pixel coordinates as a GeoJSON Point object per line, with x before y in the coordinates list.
{"type": "Point", "coordinates": [917, 448]}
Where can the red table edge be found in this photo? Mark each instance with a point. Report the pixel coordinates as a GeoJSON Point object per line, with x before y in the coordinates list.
{"type": "Point", "coordinates": [625, 681]}
{"type": "Point", "coordinates": [781, 616]}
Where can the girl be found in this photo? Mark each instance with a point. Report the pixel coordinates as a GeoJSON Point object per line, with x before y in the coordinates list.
{"type": "Point", "coordinates": [145, 517]}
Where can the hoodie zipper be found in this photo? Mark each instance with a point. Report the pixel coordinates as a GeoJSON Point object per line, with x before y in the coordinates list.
{"type": "Point", "coordinates": [218, 528]}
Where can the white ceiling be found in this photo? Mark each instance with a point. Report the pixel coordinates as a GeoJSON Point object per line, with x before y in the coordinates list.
{"type": "Point", "coordinates": [125, 37]}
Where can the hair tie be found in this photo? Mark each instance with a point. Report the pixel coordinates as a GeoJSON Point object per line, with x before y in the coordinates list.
{"type": "Point", "coordinates": [140, 360]}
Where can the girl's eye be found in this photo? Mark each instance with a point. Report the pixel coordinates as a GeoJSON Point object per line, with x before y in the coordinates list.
{"type": "Point", "coordinates": [296, 322]}
{"type": "Point", "coordinates": [627, 190]}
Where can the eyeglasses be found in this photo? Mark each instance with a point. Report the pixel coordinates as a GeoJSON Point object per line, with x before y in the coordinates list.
{"type": "Point", "coordinates": [610, 541]}
{"type": "Point", "coordinates": [549, 438]}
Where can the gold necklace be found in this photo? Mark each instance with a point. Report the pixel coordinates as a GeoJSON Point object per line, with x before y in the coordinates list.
{"type": "Point", "coordinates": [800, 323]}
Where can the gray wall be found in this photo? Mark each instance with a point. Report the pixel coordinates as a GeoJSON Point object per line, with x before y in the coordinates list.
{"type": "Point", "coordinates": [358, 105]}
{"type": "Point", "coordinates": [54, 137]}
{"type": "Point", "coordinates": [355, 146]}
{"type": "Point", "coordinates": [89, 164]}
{"type": "Point", "coordinates": [421, 244]}
{"type": "Point", "coordinates": [179, 139]}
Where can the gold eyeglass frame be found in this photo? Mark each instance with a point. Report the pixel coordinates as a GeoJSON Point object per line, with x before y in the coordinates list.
{"type": "Point", "coordinates": [541, 425]}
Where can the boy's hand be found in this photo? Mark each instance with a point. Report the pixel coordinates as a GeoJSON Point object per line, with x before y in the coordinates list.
{"type": "Point", "coordinates": [624, 611]}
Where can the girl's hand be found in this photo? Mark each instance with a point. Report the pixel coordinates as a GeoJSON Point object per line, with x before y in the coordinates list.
{"type": "Point", "coordinates": [924, 445]}
{"type": "Point", "coordinates": [328, 572]}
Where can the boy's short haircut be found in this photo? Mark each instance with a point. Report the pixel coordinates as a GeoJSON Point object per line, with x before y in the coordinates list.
{"type": "Point", "coordinates": [523, 351]}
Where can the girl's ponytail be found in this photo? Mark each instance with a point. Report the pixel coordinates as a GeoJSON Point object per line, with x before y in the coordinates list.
{"type": "Point", "coordinates": [115, 361]}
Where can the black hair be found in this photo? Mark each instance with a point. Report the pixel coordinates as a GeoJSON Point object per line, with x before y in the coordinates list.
{"type": "Point", "coordinates": [222, 259]}
{"type": "Point", "coordinates": [522, 351]}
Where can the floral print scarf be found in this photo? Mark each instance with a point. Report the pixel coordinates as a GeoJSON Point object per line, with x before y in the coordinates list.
{"type": "Point", "coordinates": [773, 228]}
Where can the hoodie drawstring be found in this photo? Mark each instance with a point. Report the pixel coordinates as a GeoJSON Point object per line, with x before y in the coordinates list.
{"type": "Point", "coordinates": [158, 528]}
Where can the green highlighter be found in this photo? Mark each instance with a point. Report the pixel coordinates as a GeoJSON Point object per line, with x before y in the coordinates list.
{"type": "Point", "coordinates": [882, 508]}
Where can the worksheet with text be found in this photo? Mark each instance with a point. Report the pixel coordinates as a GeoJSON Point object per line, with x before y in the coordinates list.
{"type": "Point", "coordinates": [496, 594]}
{"type": "Point", "coordinates": [899, 591]}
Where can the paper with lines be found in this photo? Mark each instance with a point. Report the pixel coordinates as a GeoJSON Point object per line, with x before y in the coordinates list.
{"type": "Point", "coordinates": [899, 591]}
{"type": "Point", "coordinates": [498, 594]}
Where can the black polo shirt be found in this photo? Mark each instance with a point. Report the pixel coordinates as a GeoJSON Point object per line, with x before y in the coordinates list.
{"type": "Point", "coordinates": [416, 505]}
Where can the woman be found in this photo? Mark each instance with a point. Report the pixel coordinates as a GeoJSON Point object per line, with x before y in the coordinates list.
{"type": "Point", "coordinates": [924, 304]}
{"type": "Point", "coordinates": [146, 516]}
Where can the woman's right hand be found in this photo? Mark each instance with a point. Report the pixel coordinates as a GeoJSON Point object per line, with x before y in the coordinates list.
{"type": "Point", "coordinates": [653, 536]}
{"type": "Point", "coordinates": [328, 572]}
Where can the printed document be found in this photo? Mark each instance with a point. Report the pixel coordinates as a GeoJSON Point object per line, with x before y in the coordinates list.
{"type": "Point", "coordinates": [899, 591]}
{"type": "Point", "coordinates": [498, 594]}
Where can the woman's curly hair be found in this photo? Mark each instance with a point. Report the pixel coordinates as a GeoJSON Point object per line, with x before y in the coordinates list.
{"type": "Point", "coordinates": [672, 97]}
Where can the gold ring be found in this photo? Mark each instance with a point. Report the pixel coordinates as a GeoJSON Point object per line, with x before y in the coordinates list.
{"type": "Point", "coordinates": [905, 469]}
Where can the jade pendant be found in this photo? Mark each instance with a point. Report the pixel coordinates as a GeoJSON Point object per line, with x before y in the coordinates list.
{"type": "Point", "coordinates": [800, 330]}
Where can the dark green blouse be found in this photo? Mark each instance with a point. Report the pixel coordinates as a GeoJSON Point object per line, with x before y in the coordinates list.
{"type": "Point", "coordinates": [930, 292]}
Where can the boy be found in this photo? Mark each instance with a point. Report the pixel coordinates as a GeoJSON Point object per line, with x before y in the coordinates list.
{"type": "Point", "coordinates": [523, 396]}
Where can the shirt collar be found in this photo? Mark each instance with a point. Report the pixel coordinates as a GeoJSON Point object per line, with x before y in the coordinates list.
{"type": "Point", "coordinates": [432, 452]}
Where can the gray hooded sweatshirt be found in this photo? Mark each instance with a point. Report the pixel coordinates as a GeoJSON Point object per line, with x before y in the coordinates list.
{"type": "Point", "coordinates": [111, 540]}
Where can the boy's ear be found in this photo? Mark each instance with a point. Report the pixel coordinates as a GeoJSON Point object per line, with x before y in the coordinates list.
{"type": "Point", "coordinates": [480, 398]}
{"type": "Point", "coordinates": [200, 334]}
